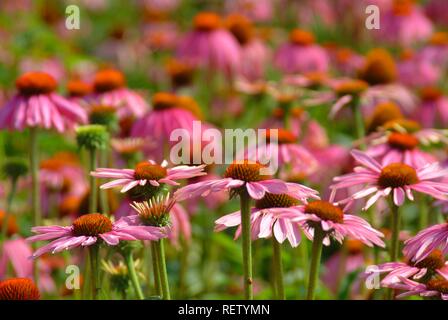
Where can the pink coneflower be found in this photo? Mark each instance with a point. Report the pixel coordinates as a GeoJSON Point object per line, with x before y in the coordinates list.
{"type": "Point", "coordinates": [400, 147]}
{"type": "Point", "coordinates": [433, 264]}
{"type": "Point", "coordinates": [395, 179]}
{"type": "Point", "coordinates": [37, 105]}
{"type": "Point", "coordinates": [434, 288]}
{"type": "Point", "coordinates": [78, 90]}
{"type": "Point", "coordinates": [16, 252]}
{"type": "Point", "coordinates": [254, 53]}
{"type": "Point", "coordinates": [179, 219]}
{"type": "Point", "coordinates": [404, 23]}
{"type": "Point", "coordinates": [334, 223]}
{"type": "Point", "coordinates": [210, 46]}
{"type": "Point", "coordinates": [301, 54]}
{"type": "Point", "coordinates": [18, 289]}
{"type": "Point", "coordinates": [436, 50]}
{"type": "Point", "coordinates": [346, 61]}
{"type": "Point", "coordinates": [88, 230]}
{"type": "Point", "coordinates": [273, 215]}
{"type": "Point", "coordinates": [411, 64]}
{"type": "Point", "coordinates": [109, 89]}
{"type": "Point", "coordinates": [168, 114]}
{"type": "Point", "coordinates": [434, 108]}
{"type": "Point", "coordinates": [147, 176]}
{"type": "Point", "coordinates": [246, 176]}
{"type": "Point", "coordinates": [426, 241]}
{"type": "Point", "coordinates": [289, 152]}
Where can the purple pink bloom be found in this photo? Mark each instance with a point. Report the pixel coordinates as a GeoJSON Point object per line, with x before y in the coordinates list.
{"type": "Point", "coordinates": [88, 230]}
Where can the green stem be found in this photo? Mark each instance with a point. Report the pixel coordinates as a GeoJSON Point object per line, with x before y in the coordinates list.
{"type": "Point", "coordinates": [246, 245]}
{"type": "Point", "coordinates": [94, 271]}
{"type": "Point", "coordinates": [92, 182]}
{"type": "Point", "coordinates": [155, 267]}
{"type": "Point", "coordinates": [162, 269]}
{"type": "Point", "coordinates": [185, 248]}
{"type": "Point", "coordinates": [103, 193]}
{"type": "Point", "coordinates": [359, 123]}
{"type": "Point", "coordinates": [315, 262]}
{"type": "Point", "coordinates": [34, 164]}
{"type": "Point", "coordinates": [395, 245]}
{"type": "Point", "coordinates": [278, 268]}
{"type": "Point", "coordinates": [8, 209]}
{"type": "Point", "coordinates": [133, 275]}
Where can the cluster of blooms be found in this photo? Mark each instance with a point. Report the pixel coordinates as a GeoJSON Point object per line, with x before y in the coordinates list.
{"type": "Point", "coordinates": [360, 139]}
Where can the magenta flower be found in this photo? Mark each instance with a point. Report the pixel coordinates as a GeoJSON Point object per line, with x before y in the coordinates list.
{"type": "Point", "coordinates": [404, 23]}
{"type": "Point", "coordinates": [89, 229]}
{"type": "Point", "coordinates": [396, 179]}
{"type": "Point", "coordinates": [301, 54]}
{"type": "Point", "coordinates": [110, 90]}
{"type": "Point", "coordinates": [37, 105]}
{"type": "Point", "coordinates": [335, 224]}
{"type": "Point", "coordinates": [287, 151]}
{"type": "Point", "coordinates": [434, 288]}
{"type": "Point", "coordinates": [426, 241]}
{"type": "Point", "coordinates": [210, 46]}
{"type": "Point", "coordinates": [245, 176]}
{"type": "Point", "coordinates": [397, 147]}
{"type": "Point", "coordinates": [273, 215]}
{"type": "Point", "coordinates": [433, 111]}
{"type": "Point", "coordinates": [147, 173]}
{"type": "Point", "coordinates": [433, 264]}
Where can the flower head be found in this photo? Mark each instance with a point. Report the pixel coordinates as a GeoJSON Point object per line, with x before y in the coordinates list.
{"type": "Point", "coordinates": [396, 179]}
{"type": "Point", "coordinates": [330, 218]}
{"type": "Point", "coordinates": [18, 289]}
{"type": "Point", "coordinates": [88, 230]}
{"type": "Point", "coordinates": [147, 176]}
{"type": "Point", "coordinates": [426, 241]}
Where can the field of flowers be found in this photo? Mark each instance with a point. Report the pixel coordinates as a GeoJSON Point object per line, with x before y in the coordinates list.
{"type": "Point", "coordinates": [223, 149]}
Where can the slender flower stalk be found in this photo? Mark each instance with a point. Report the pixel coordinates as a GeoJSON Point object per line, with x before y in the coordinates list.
{"type": "Point", "coordinates": [94, 271]}
{"type": "Point", "coordinates": [133, 275]}
{"type": "Point", "coordinates": [34, 165]}
{"type": "Point", "coordinates": [163, 274]}
{"type": "Point", "coordinates": [93, 198]}
{"type": "Point", "coordinates": [245, 201]}
{"type": "Point", "coordinates": [278, 268]}
{"type": "Point", "coordinates": [155, 267]}
{"type": "Point", "coordinates": [316, 253]}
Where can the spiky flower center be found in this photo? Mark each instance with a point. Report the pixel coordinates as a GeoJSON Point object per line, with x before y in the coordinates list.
{"type": "Point", "coordinates": [189, 104]}
{"type": "Point", "coordinates": [34, 83]}
{"type": "Point", "coordinates": [271, 200]}
{"type": "Point", "coordinates": [301, 37]}
{"type": "Point", "coordinates": [397, 175]}
{"type": "Point", "coordinates": [108, 80]}
{"type": "Point", "coordinates": [181, 73]}
{"type": "Point", "coordinates": [18, 289]}
{"type": "Point", "coordinates": [430, 93]}
{"type": "Point", "coordinates": [240, 27]}
{"type": "Point", "coordinates": [379, 68]}
{"type": "Point", "coordinates": [103, 110]}
{"type": "Point", "coordinates": [402, 7]}
{"type": "Point", "coordinates": [351, 87]}
{"type": "Point", "coordinates": [440, 285]}
{"type": "Point", "coordinates": [402, 141]}
{"type": "Point", "coordinates": [406, 124]}
{"type": "Point", "coordinates": [12, 227]}
{"type": "Point", "coordinates": [383, 113]}
{"type": "Point", "coordinates": [92, 224]}
{"type": "Point", "coordinates": [354, 246]}
{"type": "Point", "coordinates": [246, 170]}
{"type": "Point", "coordinates": [325, 210]}
{"type": "Point", "coordinates": [432, 262]}
{"type": "Point", "coordinates": [78, 88]}
{"type": "Point", "coordinates": [207, 21]}
{"type": "Point", "coordinates": [164, 100]}
{"type": "Point", "coordinates": [155, 212]}
{"type": "Point", "coordinates": [283, 136]}
{"type": "Point", "coordinates": [149, 171]}
{"type": "Point", "coordinates": [439, 39]}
